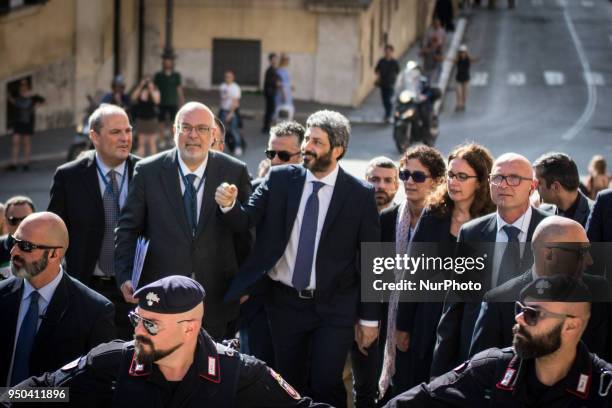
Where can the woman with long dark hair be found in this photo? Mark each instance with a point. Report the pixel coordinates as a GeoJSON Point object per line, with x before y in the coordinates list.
{"type": "Point", "coordinates": [464, 196]}
{"type": "Point", "coordinates": [422, 169]}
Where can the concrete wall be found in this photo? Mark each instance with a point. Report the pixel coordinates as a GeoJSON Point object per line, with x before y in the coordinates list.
{"type": "Point", "coordinates": [38, 41]}
{"type": "Point", "coordinates": [281, 26]}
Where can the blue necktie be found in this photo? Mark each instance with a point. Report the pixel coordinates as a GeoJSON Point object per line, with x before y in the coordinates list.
{"type": "Point", "coordinates": [190, 202]}
{"type": "Point", "coordinates": [23, 348]}
{"type": "Point", "coordinates": [306, 245]}
{"type": "Point", "coordinates": [509, 266]}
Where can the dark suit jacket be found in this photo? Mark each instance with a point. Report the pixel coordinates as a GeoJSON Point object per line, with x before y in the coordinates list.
{"type": "Point", "coordinates": [76, 197]}
{"type": "Point", "coordinates": [77, 319]}
{"type": "Point", "coordinates": [352, 218]}
{"type": "Point", "coordinates": [583, 209]}
{"type": "Point", "coordinates": [496, 319]}
{"type": "Point", "coordinates": [154, 208]}
{"type": "Point", "coordinates": [599, 229]}
{"type": "Point", "coordinates": [388, 219]}
{"type": "Point", "coordinates": [454, 333]}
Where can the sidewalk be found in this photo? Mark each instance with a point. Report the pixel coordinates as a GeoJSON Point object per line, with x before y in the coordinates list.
{"type": "Point", "coordinates": [53, 144]}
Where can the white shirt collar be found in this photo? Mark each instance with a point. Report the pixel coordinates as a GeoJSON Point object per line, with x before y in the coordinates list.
{"type": "Point", "coordinates": [105, 169]}
{"type": "Point", "coordinates": [46, 291]}
{"type": "Point", "coordinates": [329, 180]}
{"type": "Point", "coordinates": [521, 223]}
{"type": "Point", "coordinates": [199, 172]}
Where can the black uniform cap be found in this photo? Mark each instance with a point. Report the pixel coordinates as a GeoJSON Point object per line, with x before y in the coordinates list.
{"type": "Point", "coordinates": [557, 288]}
{"type": "Point", "coordinates": [170, 295]}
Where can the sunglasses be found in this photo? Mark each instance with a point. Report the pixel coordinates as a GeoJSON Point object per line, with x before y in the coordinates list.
{"type": "Point", "coordinates": [27, 246]}
{"type": "Point", "coordinates": [533, 315]}
{"type": "Point", "coordinates": [151, 327]}
{"type": "Point", "coordinates": [417, 176]}
{"type": "Point", "coordinates": [14, 221]}
{"type": "Point", "coordinates": [282, 155]}
{"type": "Point", "coordinates": [579, 249]}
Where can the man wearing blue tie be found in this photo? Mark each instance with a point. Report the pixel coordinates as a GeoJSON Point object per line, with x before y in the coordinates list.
{"type": "Point", "coordinates": [49, 318]}
{"type": "Point", "coordinates": [312, 220]}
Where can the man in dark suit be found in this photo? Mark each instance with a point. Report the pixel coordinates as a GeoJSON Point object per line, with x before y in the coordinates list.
{"type": "Point", "coordinates": [512, 182]}
{"type": "Point", "coordinates": [88, 194]}
{"type": "Point", "coordinates": [17, 208]}
{"type": "Point", "coordinates": [49, 317]}
{"type": "Point", "coordinates": [599, 230]}
{"type": "Point", "coordinates": [171, 202]}
{"type": "Point", "coordinates": [311, 220]}
{"type": "Point", "coordinates": [283, 148]}
{"type": "Point", "coordinates": [382, 174]}
{"type": "Point", "coordinates": [558, 183]}
{"type": "Point", "coordinates": [553, 255]}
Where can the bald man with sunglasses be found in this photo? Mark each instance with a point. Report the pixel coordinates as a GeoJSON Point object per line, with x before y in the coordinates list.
{"type": "Point", "coordinates": [548, 365]}
{"type": "Point", "coordinates": [172, 362]}
{"type": "Point", "coordinates": [560, 247]}
{"type": "Point", "coordinates": [48, 317]}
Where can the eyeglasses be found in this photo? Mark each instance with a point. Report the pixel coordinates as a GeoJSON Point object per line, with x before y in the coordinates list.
{"type": "Point", "coordinates": [186, 129]}
{"type": "Point", "coordinates": [27, 246]}
{"type": "Point", "coordinates": [533, 315]}
{"type": "Point", "coordinates": [462, 177]}
{"type": "Point", "coordinates": [512, 180]}
{"type": "Point", "coordinates": [417, 176]}
{"type": "Point", "coordinates": [14, 221]}
{"type": "Point", "coordinates": [151, 327]}
{"type": "Point", "coordinates": [579, 249]}
{"type": "Point", "coordinates": [282, 155]}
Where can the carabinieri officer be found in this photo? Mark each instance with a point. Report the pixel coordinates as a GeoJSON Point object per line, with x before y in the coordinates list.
{"type": "Point", "coordinates": [548, 365]}
{"type": "Point", "coordinates": [171, 363]}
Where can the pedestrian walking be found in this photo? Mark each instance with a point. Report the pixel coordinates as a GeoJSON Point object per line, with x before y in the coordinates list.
{"type": "Point", "coordinates": [463, 61]}
{"type": "Point", "coordinates": [145, 99]}
{"type": "Point", "coordinates": [230, 94]}
{"type": "Point", "coordinates": [284, 92]}
{"type": "Point", "coordinates": [25, 103]}
{"type": "Point", "coordinates": [169, 83]}
{"type": "Point", "coordinates": [271, 82]}
{"type": "Point", "coordinates": [387, 70]}
{"type": "Point", "coordinates": [433, 45]}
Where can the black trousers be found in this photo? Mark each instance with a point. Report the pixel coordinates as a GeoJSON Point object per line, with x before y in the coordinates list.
{"type": "Point", "coordinates": [386, 93]}
{"type": "Point", "coordinates": [310, 352]}
{"type": "Point", "coordinates": [270, 107]}
{"type": "Point", "coordinates": [108, 289]}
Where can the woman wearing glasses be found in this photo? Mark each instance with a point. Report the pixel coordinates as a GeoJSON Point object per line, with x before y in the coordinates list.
{"type": "Point", "coordinates": [422, 169]}
{"type": "Point", "coordinates": [464, 196]}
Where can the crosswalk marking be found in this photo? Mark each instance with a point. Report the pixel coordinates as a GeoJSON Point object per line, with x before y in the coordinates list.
{"type": "Point", "coordinates": [479, 79]}
{"type": "Point", "coordinates": [554, 78]}
{"type": "Point", "coordinates": [537, 3]}
{"type": "Point", "coordinates": [516, 79]}
{"type": "Point", "coordinates": [587, 3]}
{"type": "Point", "coordinates": [594, 78]}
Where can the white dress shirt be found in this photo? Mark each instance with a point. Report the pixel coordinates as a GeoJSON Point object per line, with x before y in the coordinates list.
{"type": "Point", "coordinates": [283, 270]}
{"type": "Point", "coordinates": [199, 173]}
{"type": "Point", "coordinates": [46, 294]}
{"type": "Point", "coordinates": [521, 223]}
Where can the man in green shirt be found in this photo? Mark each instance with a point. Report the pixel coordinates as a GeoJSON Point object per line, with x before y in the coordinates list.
{"type": "Point", "coordinates": [168, 81]}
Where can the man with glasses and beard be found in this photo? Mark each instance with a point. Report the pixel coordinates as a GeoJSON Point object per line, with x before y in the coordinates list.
{"type": "Point", "coordinates": [311, 221]}
{"type": "Point", "coordinates": [172, 361]}
{"type": "Point", "coordinates": [548, 365]}
{"type": "Point", "coordinates": [171, 202]}
{"type": "Point", "coordinates": [16, 209]}
{"type": "Point", "coordinates": [283, 148]}
{"type": "Point", "coordinates": [49, 318]}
